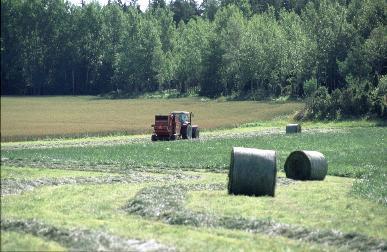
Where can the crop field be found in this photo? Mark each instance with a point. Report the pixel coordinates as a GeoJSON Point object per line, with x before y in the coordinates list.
{"type": "Point", "coordinates": [41, 117]}
{"type": "Point", "coordinates": [127, 193]}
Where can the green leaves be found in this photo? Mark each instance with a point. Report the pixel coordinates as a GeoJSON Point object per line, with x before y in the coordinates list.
{"type": "Point", "coordinates": [246, 49]}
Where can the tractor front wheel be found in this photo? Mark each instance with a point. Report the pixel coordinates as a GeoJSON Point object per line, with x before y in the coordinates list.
{"type": "Point", "coordinates": [154, 138]}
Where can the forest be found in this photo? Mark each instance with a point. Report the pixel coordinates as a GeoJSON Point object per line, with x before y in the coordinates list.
{"type": "Point", "coordinates": [332, 53]}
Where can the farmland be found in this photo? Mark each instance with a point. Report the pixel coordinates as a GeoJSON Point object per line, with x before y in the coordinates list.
{"type": "Point", "coordinates": [127, 193]}
{"type": "Point", "coordinates": [40, 117]}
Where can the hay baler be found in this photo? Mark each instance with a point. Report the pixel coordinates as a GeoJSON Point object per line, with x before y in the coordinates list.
{"type": "Point", "coordinates": [176, 125]}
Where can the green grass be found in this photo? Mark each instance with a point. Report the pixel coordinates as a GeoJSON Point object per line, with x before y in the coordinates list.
{"type": "Point", "coordinates": [326, 205]}
{"type": "Point", "coordinates": [356, 204]}
{"type": "Point", "coordinates": [373, 185]}
{"type": "Point", "coordinates": [12, 241]}
{"type": "Point", "coordinates": [349, 152]}
{"type": "Point", "coordinates": [281, 121]}
{"type": "Point", "coordinates": [99, 208]}
{"type": "Point", "coordinates": [26, 118]}
{"type": "Point", "coordinates": [315, 204]}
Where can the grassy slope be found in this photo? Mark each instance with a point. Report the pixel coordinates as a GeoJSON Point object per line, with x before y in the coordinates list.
{"type": "Point", "coordinates": [37, 117]}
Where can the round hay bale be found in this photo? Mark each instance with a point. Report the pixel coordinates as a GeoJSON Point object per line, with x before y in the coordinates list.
{"type": "Point", "coordinates": [293, 128]}
{"type": "Point", "coordinates": [252, 172]}
{"type": "Point", "coordinates": [306, 165]}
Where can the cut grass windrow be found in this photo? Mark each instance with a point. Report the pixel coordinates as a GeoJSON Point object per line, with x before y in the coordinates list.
{"type": "Point", "coordinates": [16, 186]}
{"type": "Point", "coordinates": [81, 240]}
{"type": "Point", "coordinates": [167, 204]}
{"type": "Point", "coordinates": [76, 166]}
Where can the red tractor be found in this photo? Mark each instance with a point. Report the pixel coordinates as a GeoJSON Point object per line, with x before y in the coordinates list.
{"type": "Point", "coordinates": [176, 125]}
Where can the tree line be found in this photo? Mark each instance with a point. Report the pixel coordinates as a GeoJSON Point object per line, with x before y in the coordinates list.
{"type": "Point", "coordinates": [332, 51]}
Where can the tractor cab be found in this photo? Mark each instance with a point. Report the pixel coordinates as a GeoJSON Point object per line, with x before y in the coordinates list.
{"type": "Point", "coordinates": [183, 117]}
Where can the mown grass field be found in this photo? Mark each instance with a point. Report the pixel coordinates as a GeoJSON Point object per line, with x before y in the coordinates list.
{"type": "Point", "coordinates": [128, 193]}
{"type": "Point", "coordinates": [25, 118]}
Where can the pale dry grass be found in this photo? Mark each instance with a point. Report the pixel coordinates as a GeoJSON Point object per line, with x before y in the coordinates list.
{"type": "Point", "coordinates": [38, 117]}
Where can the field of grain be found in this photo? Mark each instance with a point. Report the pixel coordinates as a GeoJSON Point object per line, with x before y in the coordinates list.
{"type": "Point", "coordinates": [24, 118]}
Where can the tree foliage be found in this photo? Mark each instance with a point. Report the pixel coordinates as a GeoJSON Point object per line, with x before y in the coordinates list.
{"type": "Point", "coordinates": [331, 51]}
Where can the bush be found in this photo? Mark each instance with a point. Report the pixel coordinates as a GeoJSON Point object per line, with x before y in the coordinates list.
{"type": "Point", "coordinates": [286, 91]}
{"type": "Point", "coordinates": [357, 100]}
{"type": "Point", "coordinates": [319, 104]}
{"type": "Point", "coordinates": [336, 111]}
{"type": "Point", "coordinates": [379, 98]}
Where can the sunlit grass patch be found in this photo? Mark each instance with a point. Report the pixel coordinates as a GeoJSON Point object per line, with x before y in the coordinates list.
{"type": "Point", "coordinates": [373, 185]}
{"type": "Point", "coordinates": [13, 241]}
{"type": "Point", "coordinates": [69, 203]}
{"type": "Point", "coordinates": [101, 208]}
{"type": "Point", "coordinates": [316, 204]}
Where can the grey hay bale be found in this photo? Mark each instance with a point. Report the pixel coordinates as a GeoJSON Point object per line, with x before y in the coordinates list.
{"type": "Point", "coordinates": [252, 172]}
{"type": "Point", "coordinates": [306, 165]}
{"type": "Point", "coordinates": [293, 128]}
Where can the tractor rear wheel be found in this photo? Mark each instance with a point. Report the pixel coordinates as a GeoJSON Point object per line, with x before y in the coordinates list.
{"type": "Point", "coordinates": [186, 132]}
{"type": "Point", "coordinates": [195, 132]}
{"type": "Point", "coordinates": [154, 138]}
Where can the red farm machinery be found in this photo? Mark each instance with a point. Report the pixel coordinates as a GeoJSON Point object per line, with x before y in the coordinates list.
{"type": "Point", "coordinates": [176, 125]}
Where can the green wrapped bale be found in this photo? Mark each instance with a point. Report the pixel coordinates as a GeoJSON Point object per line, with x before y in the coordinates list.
{"type": "Point", "coordinates": [306, 165]}
{"type": "Point", "coordinates": [252, 172]}
{"type": "Point", "coordinates": [293, 128]}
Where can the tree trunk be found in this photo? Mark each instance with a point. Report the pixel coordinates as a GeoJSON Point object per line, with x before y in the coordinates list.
{"type": "Point", "coordinates": [87, 80]}
{"type": "Point", "coordinates": [72, 72]}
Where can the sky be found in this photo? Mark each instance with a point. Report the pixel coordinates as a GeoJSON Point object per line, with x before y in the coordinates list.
{"type": "Point", "coordinates": [143, 3]}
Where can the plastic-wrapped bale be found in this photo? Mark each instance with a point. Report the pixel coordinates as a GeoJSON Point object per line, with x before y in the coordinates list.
{"type": "Point", "coordinates": [293, 128]}
{"type": "Point", "coordinates": [306, 165]}
{"type": "Point", "coordinates": [252, 172]}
